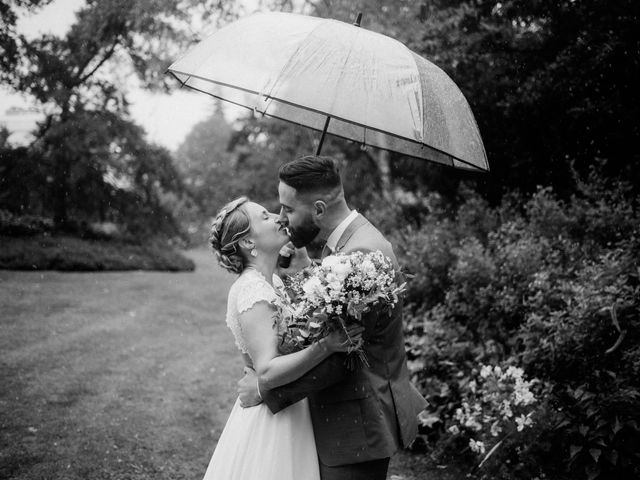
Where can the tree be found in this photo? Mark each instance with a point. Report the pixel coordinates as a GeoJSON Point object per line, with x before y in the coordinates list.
{"type": "Point", "coordinates": [82, 77]}
{"type": "Point", "coordinates": [9, 41]}
{"type": "Point", "coordinates": [205, 162]}
{"type": "Point", "coordinates": [551, 83]}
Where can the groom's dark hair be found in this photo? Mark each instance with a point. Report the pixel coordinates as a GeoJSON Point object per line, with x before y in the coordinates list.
{"type": "Point", "coordinates": [311, 174]}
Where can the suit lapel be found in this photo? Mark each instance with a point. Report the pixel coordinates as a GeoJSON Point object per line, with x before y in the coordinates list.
{"type": "Point", "coordinates": [358, 222]}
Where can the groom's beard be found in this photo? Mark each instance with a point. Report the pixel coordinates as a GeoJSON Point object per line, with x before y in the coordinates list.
{"type": "Point", "coordinates": [304, 234]}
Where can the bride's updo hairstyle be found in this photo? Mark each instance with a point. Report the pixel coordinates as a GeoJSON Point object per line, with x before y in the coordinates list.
{"type": "Point", "coordinates": [231, 225]}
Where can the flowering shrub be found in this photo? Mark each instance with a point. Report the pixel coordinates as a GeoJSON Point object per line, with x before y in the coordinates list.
{"type": "Point", "coordinates": [496, 402]}
{"type": "Point", "coordinates": [545, 285]}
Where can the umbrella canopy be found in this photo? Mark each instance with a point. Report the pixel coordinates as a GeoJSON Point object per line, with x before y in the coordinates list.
{"type": "Point", "coordinates": [333, 76]}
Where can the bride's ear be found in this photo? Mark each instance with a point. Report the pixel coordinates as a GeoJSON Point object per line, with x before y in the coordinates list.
{"type": "Point", "coordinates": [247, 244]}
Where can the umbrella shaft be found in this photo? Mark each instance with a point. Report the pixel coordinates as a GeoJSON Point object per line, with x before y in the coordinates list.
{"type": "Point", "coordinates": [324, 131]}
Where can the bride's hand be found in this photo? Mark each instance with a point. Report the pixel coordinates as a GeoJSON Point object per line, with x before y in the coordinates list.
{"type": "Point", "coordinates": [338, 341]}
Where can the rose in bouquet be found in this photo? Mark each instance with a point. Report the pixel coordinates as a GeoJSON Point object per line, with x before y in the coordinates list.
{"type": "Point", "coordinates": [336, 294]}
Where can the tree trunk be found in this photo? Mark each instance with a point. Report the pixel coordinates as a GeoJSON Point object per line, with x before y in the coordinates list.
{"type": "Point", "coordinates": [60, 191]}
{"type": "Point", "coordinates": [381, 160]}
{"type": "Point", "coordinates": [61, 171]}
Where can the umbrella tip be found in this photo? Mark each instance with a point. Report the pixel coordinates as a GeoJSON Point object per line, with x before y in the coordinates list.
{"type": "Point", "coordinates": [358, 19]}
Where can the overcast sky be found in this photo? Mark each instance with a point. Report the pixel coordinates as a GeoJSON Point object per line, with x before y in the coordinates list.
{"type": "Point", "coordinates": [166, 118]}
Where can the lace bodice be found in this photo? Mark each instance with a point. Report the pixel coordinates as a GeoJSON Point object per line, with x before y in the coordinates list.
{"type": "Point", "coordinates": [250, 288]}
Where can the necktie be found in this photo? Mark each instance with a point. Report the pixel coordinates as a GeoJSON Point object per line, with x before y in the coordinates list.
{"type": "Point", "coordinates": [326, 251]}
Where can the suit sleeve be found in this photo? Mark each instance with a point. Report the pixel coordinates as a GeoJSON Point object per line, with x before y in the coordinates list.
{"type": "Point", "coordinates": [327, 373]}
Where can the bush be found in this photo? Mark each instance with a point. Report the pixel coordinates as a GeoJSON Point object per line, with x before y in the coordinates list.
{"type": "Point", "coordinates": [541, 284]}
{"type": "Point", "coordinates": [74, 254]}
{"type": "Point", "coordinates": [17, 226]}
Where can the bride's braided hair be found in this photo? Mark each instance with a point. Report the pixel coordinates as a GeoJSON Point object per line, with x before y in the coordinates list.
{"type": "Point", "coordinates": [230, 225]}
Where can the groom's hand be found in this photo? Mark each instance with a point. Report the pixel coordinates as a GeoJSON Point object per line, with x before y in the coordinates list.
{"type": "Point", "coordinates": [248, 389]}
{"type": "Point", "coordinates": [299, 260]}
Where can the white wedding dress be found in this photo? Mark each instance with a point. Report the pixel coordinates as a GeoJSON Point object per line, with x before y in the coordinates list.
{"type": "Point", "coordinates": [256, 444]}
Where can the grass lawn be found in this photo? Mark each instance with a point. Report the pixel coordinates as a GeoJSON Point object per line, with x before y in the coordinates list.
{"type": "Point", "coordinates": [120, 375]}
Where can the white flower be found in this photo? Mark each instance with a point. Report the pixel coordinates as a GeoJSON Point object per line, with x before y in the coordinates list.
{"type": "Point", "coordinates": [368, 268]}
{"type": "Point", "coordinates": [523, 421]}
{"type": "Point", "coordinates": [313, 286]}
{"type": "Point", "coordinates": [473, 424]}
{"type": "Point", "coordinates": [495, 429]}
{"type": "Point", "coordinates": [459, 415]}
{"type": "Point", "coordinates": [331, 260]}
{"type": "Point", "coordinates": [454, 429]}
{"type": "Point", "coordinates": [514, 372]}
{"type": "Point", "coordinates": [339, 266]}
{"type": "Point", "coordinates": [523, 395]}
{"type": "Point", "coordinates": [477, 447]}
{"type": "Point", "coordinates": [505, 409]}
{"type": "Point", "coordinates": [485, 371]}
{"type": "Point", "coordinates": [428, 419]}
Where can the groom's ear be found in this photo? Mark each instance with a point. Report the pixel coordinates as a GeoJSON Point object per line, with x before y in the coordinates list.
{"type": "Point", "coordinates": [319, 208]}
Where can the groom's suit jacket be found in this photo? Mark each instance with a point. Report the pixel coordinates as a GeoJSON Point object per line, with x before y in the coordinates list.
{"type": "Point", "coordinates": [367, 413]}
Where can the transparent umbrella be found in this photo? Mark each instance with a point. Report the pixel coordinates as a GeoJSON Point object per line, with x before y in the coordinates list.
{"type": "Point", "coordinates": [340, 79]}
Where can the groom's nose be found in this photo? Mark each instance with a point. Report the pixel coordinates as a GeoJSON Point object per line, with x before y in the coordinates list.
{"type": "Point", "coordinates": [282, 218]}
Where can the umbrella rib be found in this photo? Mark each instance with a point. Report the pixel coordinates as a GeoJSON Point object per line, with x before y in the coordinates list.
{"type": "Point", "coordinates": [342, 70]}
{"type": "Point", "coordinates": [421, 104]}
{"type": "Point", "coordinates": [217, 96]}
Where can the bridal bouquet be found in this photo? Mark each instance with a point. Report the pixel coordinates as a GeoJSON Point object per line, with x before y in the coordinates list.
{"type": "Point", "coordinates": [335, 294]}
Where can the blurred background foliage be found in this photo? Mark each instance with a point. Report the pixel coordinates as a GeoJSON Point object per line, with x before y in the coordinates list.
{"type": "Point", "coordinates": [533, 265]}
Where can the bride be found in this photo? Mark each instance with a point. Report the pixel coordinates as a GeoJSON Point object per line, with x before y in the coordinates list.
{"type": "Point", "coordinates": [255, 443]}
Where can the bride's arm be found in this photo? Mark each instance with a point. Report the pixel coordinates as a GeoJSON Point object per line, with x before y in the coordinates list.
{"type": "Point", "coordinates": [262, 344]}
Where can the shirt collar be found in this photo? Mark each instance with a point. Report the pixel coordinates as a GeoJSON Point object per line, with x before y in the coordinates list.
{"type": "Point", "coordinates": [332, 241]}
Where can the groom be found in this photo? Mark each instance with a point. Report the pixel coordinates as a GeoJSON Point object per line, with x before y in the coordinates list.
{"type": "Point", "coordinates": [360, 418]}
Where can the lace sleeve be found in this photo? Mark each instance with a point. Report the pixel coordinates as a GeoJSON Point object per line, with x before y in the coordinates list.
{"type": "Point", "coordinates": [248, 290]}
{"type": "Point", "coordinates": [253, 292]}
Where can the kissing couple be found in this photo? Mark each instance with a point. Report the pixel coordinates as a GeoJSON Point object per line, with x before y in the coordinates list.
{"type": "Point", "coordinates": [306, 415]}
